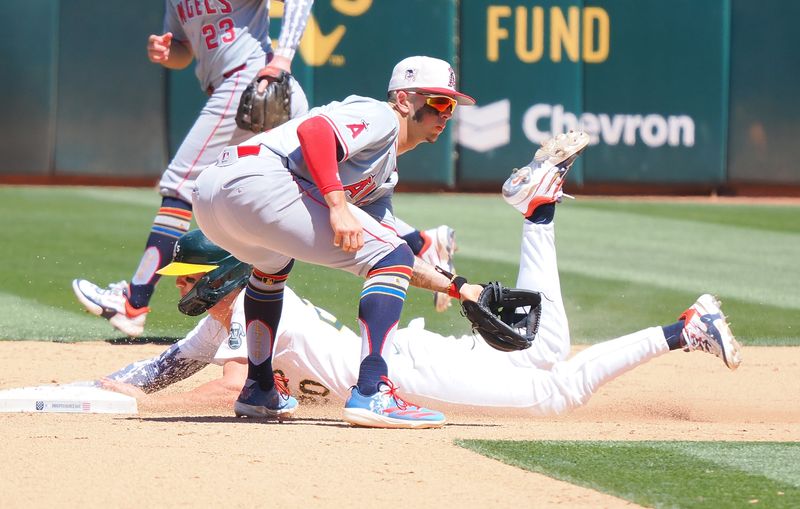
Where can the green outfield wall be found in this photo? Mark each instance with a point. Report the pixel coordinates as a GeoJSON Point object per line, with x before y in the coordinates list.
{"type": "Point", "coordinates": [687, 92]}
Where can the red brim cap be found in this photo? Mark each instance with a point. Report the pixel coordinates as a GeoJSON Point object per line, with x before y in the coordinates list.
{"type": "Point", "coordinates": [463, 99]}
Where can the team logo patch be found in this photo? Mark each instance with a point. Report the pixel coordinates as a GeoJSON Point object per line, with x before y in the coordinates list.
{"type": "Point", "coordinates": [451, 82]}
{"type": "Point", "coordinates": [359, 189]}
{"type": "Point", "coordinates": [237, 333]}
{"type": "Point", "coordinates": [411, 74]}
{"type": "Point", "coordinates": [262, 337]}
{"type": "Point", "coordinates": [356, 129]}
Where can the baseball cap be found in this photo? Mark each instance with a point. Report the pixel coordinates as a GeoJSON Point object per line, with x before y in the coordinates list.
{"type": "Point", "coordinates": [194, 254]}
{"type": "Point", "coordinates": [426, 74]}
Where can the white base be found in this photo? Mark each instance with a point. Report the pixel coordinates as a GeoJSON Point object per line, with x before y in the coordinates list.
{"type": "Point", "coordinates": [73, 398]}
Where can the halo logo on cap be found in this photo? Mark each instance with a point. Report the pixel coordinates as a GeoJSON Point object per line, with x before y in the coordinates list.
{"type": "Point", "coordinates": [426, 74]}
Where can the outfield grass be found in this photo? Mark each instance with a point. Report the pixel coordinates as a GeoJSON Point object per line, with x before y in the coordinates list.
{"type": "Point", "coordinates": [665, 474]}
{"type": "Point", "coordinates": [624, 265]}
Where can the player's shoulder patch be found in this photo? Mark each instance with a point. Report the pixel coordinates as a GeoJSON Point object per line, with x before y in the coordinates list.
{"type": "Point", "coordinates": [358, 127]}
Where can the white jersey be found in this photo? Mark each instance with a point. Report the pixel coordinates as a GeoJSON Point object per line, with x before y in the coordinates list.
{"type": "Point", "coordinates": [366, 130]}
{"type": "Point", "coordinates": [224, 34]}
{"type": "Point", "coordinates": [321, 359]}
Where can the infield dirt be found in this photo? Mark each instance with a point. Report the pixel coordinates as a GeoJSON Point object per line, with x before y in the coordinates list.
{"type": "Point", "coordinates": [210, 458]}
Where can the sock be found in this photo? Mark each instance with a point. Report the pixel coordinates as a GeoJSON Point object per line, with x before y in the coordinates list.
{"type": "Point", "coordinates": [416, 240]}
{"type": "Point", "coordinates": [172, 221]}
{"type": "Point", "coordinates": [543, 214]}
{"type": "Point", "coordinates": [379, 312]}
{"type": "Point", "coordinates": [672, 333]}
{"type": "Point", "coordinates": [263, 303]}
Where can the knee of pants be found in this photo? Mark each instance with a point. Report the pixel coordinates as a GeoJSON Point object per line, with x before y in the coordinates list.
{"type": "Point", "coordinates": [401, 255]}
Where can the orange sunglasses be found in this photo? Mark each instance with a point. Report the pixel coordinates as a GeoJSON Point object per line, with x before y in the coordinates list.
{"type": "Point", "coordinates": [440, 103]}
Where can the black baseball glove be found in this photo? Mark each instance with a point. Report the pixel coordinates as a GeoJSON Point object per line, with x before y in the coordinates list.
{"type": "Point", "coordinates": [497, 318]}
{"type": "Point", "coordinates": [262, 112]}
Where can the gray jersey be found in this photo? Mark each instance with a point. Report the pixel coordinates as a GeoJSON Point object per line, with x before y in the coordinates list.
{"type": "Point", "coordinates": [224, 34]}
{"type": "Point", "coordinates": [366, 130]}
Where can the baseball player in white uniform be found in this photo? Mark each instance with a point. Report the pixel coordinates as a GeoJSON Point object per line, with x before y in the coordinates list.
{"type": "Point", "coordinates": [229, 40]}
{"type": "Point", "coordinates": [432, 369]}
{"type": "Point", "coordinates": [319, 189]}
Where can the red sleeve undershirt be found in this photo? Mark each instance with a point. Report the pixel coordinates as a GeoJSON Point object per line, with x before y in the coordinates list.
{"type": "Point", "coordinates": [319, 147]}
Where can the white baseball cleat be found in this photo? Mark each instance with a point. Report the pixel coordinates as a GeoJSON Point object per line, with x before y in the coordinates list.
{"type": "Point", "coordinates": [440, 245]}
{"type": "Point", "coordinates": [706, 328]}
{"type": "Point", "coordinates": [112, 304]}
{"type": "Point", "coordinates": [540, 182]}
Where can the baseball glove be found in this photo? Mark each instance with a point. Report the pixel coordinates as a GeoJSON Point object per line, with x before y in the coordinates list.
{"type": "Point", "coordinates": [259, 112]}
{"type": "Point", "coordinates": [496, 318]}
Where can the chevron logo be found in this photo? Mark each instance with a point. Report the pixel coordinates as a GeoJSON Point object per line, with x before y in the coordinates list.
{"type": "Point", "coordinates": [483, 128]}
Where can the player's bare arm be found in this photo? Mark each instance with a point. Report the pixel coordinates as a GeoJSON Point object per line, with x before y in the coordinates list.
{"type": "Point", "coordinates": [427, 277]}
{"type": "Point", "coordinates": [220, 392]}
{"type": "Point", "coordinates": [169, 52]}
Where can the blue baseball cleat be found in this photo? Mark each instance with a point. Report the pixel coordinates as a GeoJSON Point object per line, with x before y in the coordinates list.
{"type": "Point", "coordinates": [385, 409]}
{"type": "Point", "coordinates": [275, 403]}
{"type": "Point", "coordinates": [706, 328]}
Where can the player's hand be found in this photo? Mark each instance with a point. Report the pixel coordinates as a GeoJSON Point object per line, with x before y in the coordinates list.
{"type": "Point", "coordinates": [347, 230]}
{"type": "Point", "coordinates": [122, 388]}
{"type": "Point", "coordinates": [273, 71]}
{"type": "Point", "coordinates": [158, 47]}
{"type": "Point", "coordinates": [470, 292]}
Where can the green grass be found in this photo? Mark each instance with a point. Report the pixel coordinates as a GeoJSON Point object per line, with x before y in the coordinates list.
{"type": "Point", "coordinates": [624, 265]}
{"type": "Point", "coordinates": [665, 474]}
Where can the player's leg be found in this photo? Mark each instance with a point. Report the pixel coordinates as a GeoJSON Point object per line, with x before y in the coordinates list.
{"type": "Point", "coordinates": [229, 202]}
{"type": "Point", "coordinates": [214, 129]}
{"type": "Point", "coordinates": [316, 352]}
{"type": "Point", "coordinates": [465, 372]}
{"type": "Point", "coordinates": [125, 306]}
{"type": "Point", "coordinates": [264, 394]}
{"type": "Point", "coordinates": [702, 327]}
{"type": "Point", "coordinates": [386, 263]}
{"type": "Point", "coordinates": [534, 190]}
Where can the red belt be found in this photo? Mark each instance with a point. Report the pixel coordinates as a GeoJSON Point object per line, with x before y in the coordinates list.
{"type": "Point", "coordinates": [248, 150]}
{"type": "Point", "coordinates": [210, 89]}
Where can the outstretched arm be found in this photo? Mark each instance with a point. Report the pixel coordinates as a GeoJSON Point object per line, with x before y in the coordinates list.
{"type": "Point", "coordinates": [218, 393]}
{"type": "Point", "coordinates": [427, 277]}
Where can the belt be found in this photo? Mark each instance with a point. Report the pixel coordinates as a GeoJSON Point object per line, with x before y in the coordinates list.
{"type": "Point", "coordinates": [210, 89]}
{"type": "Point", "coordinates": [248, 150]}
{"type": "Point", "coordinates": [256, 150]}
